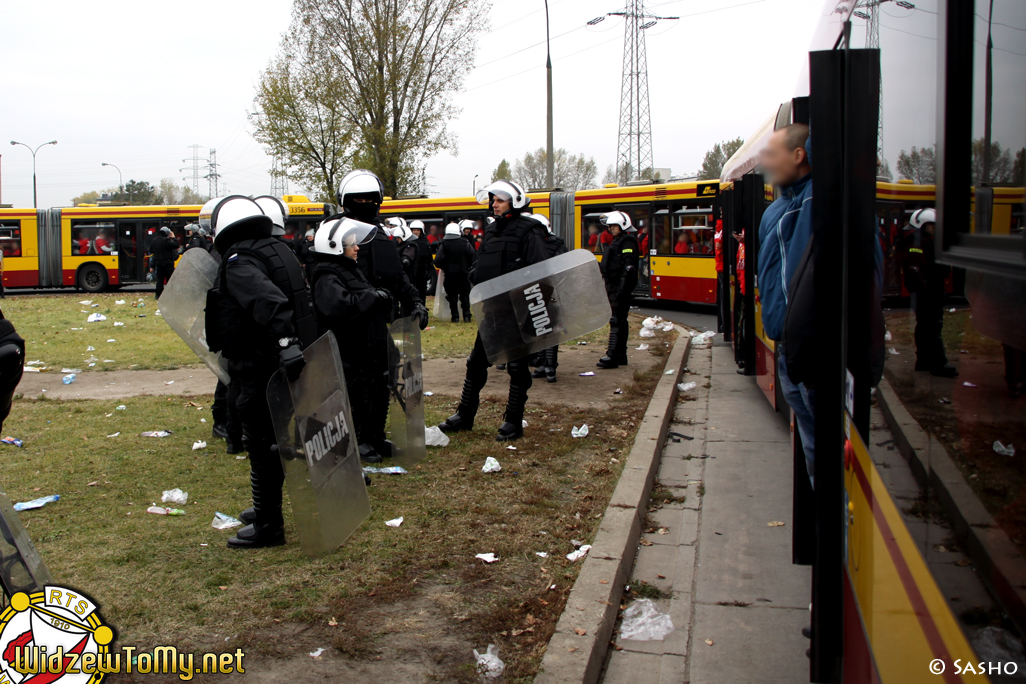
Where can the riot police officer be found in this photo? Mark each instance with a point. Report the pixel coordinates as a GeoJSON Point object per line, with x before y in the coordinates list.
{"type": "Point", "coordinates": [259, 316]}
{"type": "Point", "coordinates": [925, 279]}
{"type": "Point", "coordinates": [424, 270]}
{"type": "Point", "coordinates": [360, 195]}
{"type": "Point", "coordinates": [163, 254]}
{"type": "Point", "coordinates": [277, 211]}
{"type": "Point", "coordinates": [455, 258]}
{"type": "Point", "coordinates": [409, 254]}
{"type": "Point", "coordinates": [357, 312]}
{"type": "Point", "coordinates": [513, 241]}
{"type": "Point", "coordinates": [548, 360]}
{"type": "Point", "coordinates": [620, 271]}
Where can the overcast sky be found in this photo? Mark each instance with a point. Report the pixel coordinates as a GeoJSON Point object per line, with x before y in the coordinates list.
{"type": "Point", "coordinates": [136, 84]}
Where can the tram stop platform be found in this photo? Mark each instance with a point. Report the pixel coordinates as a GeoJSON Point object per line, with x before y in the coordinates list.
{"type": "Point", "coordinates": [718, 560]}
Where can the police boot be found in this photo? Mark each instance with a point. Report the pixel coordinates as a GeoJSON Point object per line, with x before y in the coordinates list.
{"type": "Point", "coordinates": [268, 527]}
{"type": "Point", "coordinates": [463, 419]}
{"type": "Point", "coordinates": [220, 431]}
{"type": "Point", "coordinates": [248, 516]}
{"type": "Point", "coordinates": [513, 428]}
{"type": "Point", "coordinates": [610, 359]}
{"type": "Point", "coordinates": [540, 371]}
{"type": "Point", "coordinates": [384, 448]}
{"type": "Point", "coordinates": [455, 318]}
{"type": "Point", "coordinates": [467, 318]}
{"type": "Point", "coordinates": [368, 454]}
{"type": "Point", "coordinates": [233, 444]}
{"type": "Point", "coordinates": [551, 361]}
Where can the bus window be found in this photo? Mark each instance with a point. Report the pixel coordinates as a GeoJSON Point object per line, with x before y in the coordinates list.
{"type": "Point", "coordinates": [92, 238]}
{"type": "Point", "coordinates": [662, 236]}
{"type": "Point", "coordinates": [692, 231]}
{"type": "Point", "coordinates": [10, 238]}
{"type": "Point", "coordinates": [594, 235]}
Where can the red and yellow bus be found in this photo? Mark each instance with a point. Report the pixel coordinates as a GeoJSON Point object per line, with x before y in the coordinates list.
{"type": "Point", "coordinates": [94, 248]}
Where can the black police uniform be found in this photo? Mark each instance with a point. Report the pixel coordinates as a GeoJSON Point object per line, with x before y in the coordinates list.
{"type": "Point", "coordinates": [548, 360]}
{"type": "Point", "coordinates": [305, 253]}
{"type": "Point", "coordinates": [358, 313]}
{"type": "Point", "coordinates": [409, 258]}
{"type": "Point", "coordinates": [620, 271]}
{"type": "Point", "coordinates": [925, 279]}
{"type": "Point", "coordinates": [512, 242]}
{"type": "Point", "coordinates": [164, 252]}
{"type": "Point", "coordinates": [12, 365]}
{"type": "Point", "coordinates": [198, 242]}
{"type": "Point", "coordinates": [455, 257]}
{"type": "Point", "coordinates": [261, 301]}
{"type": "Point", "coordinates": [425, 266]}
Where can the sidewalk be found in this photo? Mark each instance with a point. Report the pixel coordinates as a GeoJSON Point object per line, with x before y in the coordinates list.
{"type": "Point", "coordinates": [724, 575]}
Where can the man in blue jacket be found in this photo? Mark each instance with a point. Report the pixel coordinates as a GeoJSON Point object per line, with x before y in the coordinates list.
{"type": "Point", "coordinates": [784, 233]}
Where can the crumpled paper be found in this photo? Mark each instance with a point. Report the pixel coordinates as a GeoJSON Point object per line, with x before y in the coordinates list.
{"type": "Point", "coordinates": [579, 553]}
{"type": "Point", "coordinates": [433, 436]}
{"type": "Point", "coordinates": [491, 465]}
{"type": "Point", "coordinates": [580, 431]}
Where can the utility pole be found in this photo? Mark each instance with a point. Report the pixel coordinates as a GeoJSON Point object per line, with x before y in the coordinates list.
{"type": "Point", "coordinates": [195, 168]}
{"type": "Point", "coordinates": [634, 149]}
{"type": "Point", "coordinates": [988, 97]}
{"type": "Point", "coordinates": [549, 158]}
{"type": "Point", "coordinates": [35, 201]}
{"type": "Point", "coordinates": [279, 183]}
{"type": "Point", "coordinates": [212, 175]}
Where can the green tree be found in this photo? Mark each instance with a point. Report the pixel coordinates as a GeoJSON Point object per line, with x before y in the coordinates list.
{"type": "Point", "coordinates": [712, 164]}
{"type": "Point", "coordinates": [139, 193]}
{"type": "Point", "coordinates": [88, 197]}
{"type": "Point", "coordinates": [1001, 163]}
{"type": "Point", "coordinates": [299, 119]}
{"type": "Point", "coordinates": [170, 193]}
{"type": "Point", "coordinates": [919, 165]}
{"type": "Point", "coordinates": [571, 172]}
{"type": "Point", "coordinates": [502, 171]}
{"type": "Point", "coordinates": [396, 65]}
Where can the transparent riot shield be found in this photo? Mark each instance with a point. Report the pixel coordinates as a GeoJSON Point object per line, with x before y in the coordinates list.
{"type": "Point", "coordinates": [21, 567]}
{"type": "Point", "coordinates": [539, 306]}
{"type": "Point", "coordinates": [442, 311]}
{"type": "Point", "coordinates": [406, 412]}
{"type": "Point", "coordinates": [182, 303]}
{"type": "Point", "coordinates": [313, 428]}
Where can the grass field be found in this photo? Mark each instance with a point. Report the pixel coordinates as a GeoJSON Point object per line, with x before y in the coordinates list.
{"type": "Point", "coordinates": [172, 580]}
{"type": "Point", "coordinates": [56, 332]}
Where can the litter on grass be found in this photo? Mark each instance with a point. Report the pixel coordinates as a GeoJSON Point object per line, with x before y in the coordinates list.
{"type": "Point", "coordinates": [588, 374]}
{"type": "Point", "coordinates": [112, 340]}
{"type": "Point", "coordinates": [95, 318]}
{"type": "Point", "coordinates": [122, 407]}
{"type": "Point", "coordinates": [1004, 450]}
{"type": "Point", "coordinates": [489, 667]}
{"type": "Point", "coordinates": [119, 302]}
{"type": "Point", "coordinates": [651, 323]}
{"type": "Point", "coordinates": [579, 553]}
{"type": "Point", "coordinates": [491, 465]}
{"type": "Point", "coordinates": [37, 362]}
{"type": "Point", "coordinates": [36, 503]}
{"type": "Point", "coordinates": [86, 302]}
{"type": "Point", "coordinates": [13, 441]}
{"type": "Point", "coordinates": [69, 378]}
{"type": "Point", "coordinates": [118, 323]}
{"type": "Point", "coordinates": [642, 347]}
{"type": "Point", "coordinates": [541, 554]}
{"type": "Point", "coordinates": [224, 522]}
{"type": "Point", "coordinates": [114, 435]}
{"type": "Point", "coordinates": [71, 370]}
{"type": "Point", "coordinates": [645, 332]}
{"type": "Point", "coordinates": [580, 431]}
{"type": "Point", "coordinates": [887, 336]}
{"type": "Point", "coordinates": [170, 382]}
{"type": "Point", "coordinates": [642, 621]}
{"type": "Point", "coordinates": [395, 522]}
{"type": "Point", "coordinates": [670, 372]}
{"type": "Point", "coordinates": [155, 433]}
{"type": "Point", "coordinates": [687, 386]}
{"type": "Point", "coordinates": [523, 423]}
{"type": "Point", "coordinates": [160, 510]}
{"type": "Point", "coordinates": [433, 436]}
{"type": "Point", "coordinates": [893, 352]}
{"type": "Point", "coordinates": [511, 448]}
{"type": "Point", "coordinates": [175, 495]}
{"type": "Point", "coordinates": [487, 557]}
{"type": "Point", "coordinates": [969, 384]}
{"type": "Point", "coordinates": [196, 446]}
{"type": "Point", "coordinates": [317, 653]}
{"type": "Point", "coordinates": [387, 470]}
{"type": "Point", "coordinates": [429, 394]}
{"type": "Point", "coordinates": [702, 338]}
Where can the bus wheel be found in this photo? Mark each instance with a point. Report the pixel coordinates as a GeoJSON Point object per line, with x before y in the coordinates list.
{"type": "Point", "coordinates": [92, 278]}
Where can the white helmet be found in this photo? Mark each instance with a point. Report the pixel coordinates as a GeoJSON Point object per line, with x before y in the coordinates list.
{"type": "Point", "coordinates": [921, 217]}
{"type": "Point", "coordinates": [507, 190]}
{"type": "Point", "coordinates": [405, 234]}
{"type": "Point", "coordinates": [334, 235]}
{"type": "Point", "coordinates": [237, 217]}
{"type": "Point", "coordinates": [466, 224]}
{"type": "Point", "coordinates": [395, 226]}
{"type": "Point", "coordinates": [360, 182]}
{"type": "Point", "coordinates": [205, 211]}
{"type": "Point", "coordinates": [544, 220]}
{"type": "Point", "coordinates": [277, 210]}
{"type": "Point", "coordinates": [617, 218]}
{"type": "Point", "coordinates": [452, 231]}
{"type": "Point", "coordinates": [417, 224]}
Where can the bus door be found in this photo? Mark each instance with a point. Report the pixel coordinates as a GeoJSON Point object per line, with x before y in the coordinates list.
{"type": "Point", "coordinates": [133, 244]}
{"type": "Point", "coordinates": [891, 219]}
{"type": "Point", "coordinates": [641, 218]}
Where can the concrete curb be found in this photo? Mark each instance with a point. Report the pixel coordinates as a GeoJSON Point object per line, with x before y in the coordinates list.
{"type": "Point", "coordinates": [594, 601]}
{"type": "Point", "coordinates": [996, 558]}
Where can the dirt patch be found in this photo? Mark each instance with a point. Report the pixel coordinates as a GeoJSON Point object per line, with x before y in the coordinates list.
{"type": "Point", "coordinates": [967, 420]}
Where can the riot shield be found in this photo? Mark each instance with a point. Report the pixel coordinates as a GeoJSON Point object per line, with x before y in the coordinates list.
{"type": "Point", "coordinates": [539, 306]}
{"type": "Point", "coordinates": [313, 428]}
{"type": "Point", "coordinates": [182, 303]}
{"type": "Point", "coordinates": [406, 380]}
{"type": "Point", "coordinates": [442, 311]}
{"type": "Point", "coordinates": [21, 567]}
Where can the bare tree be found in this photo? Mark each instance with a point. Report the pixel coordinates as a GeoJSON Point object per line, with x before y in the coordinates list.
{"type": "Point", "coordinates": [571, 172]}
{"type": "Point", "coordinates": [918, 165]}
{"type": "Point", "coordinates": [299, 119]}
{"type": "Point", "coordinates": [396, 65]}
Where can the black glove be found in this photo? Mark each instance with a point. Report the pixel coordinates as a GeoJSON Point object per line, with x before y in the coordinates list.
{"type": "Point", "coordinates": [384, 298]}
{"type": "Point", "coordinates": [292, 361]}
{"type": "Point", "coordinates": [421, 314]}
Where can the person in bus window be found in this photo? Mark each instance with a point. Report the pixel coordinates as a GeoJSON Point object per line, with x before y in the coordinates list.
{"type": "Point", "coordinates": [593, 238]}
{"type": "Point", "coordinates": [683, 243]}
{"type": "Point", "coordinates": [433, 234]}
{"type": "Point", "coordinates": [643, 240]}
{"type": "Point", "coordinates": [103, 243]}
{"type": "Point", "coordinates": [83, 243]}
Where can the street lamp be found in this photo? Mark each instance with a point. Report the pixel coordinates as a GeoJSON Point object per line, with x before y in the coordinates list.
{"type": "Point", "coordinates": [35, 202]}
{"type": "Point", "coordinates": [548, 69]}
{"type": "Point", "coordinates": [475, 183]}
{"type": "Point", "coordinates": [121, 186]}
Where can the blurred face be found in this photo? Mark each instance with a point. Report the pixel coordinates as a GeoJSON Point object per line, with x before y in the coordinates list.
{"type": "Point", "coordinates": [782, 165]}
{"type": "Point", "coordinates": [351, 251]}
{"type": "Point", "coordinates": [500, 206]}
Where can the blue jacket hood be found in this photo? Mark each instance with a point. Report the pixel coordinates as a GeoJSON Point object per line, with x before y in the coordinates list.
{"type": "Point", "coordinates": [784, 233]}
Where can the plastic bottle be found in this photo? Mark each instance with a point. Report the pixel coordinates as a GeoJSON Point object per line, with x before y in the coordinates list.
{"type": "Point", "coordinates": [69, 378]}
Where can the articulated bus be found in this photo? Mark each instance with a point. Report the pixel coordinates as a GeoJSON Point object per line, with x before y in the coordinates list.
{"type": "Point", "coordinates": [94, 248]}
{"type": "Point", "coordinates": [674, 220]}
{"type": "Point", "coordinates": [884, 610]}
